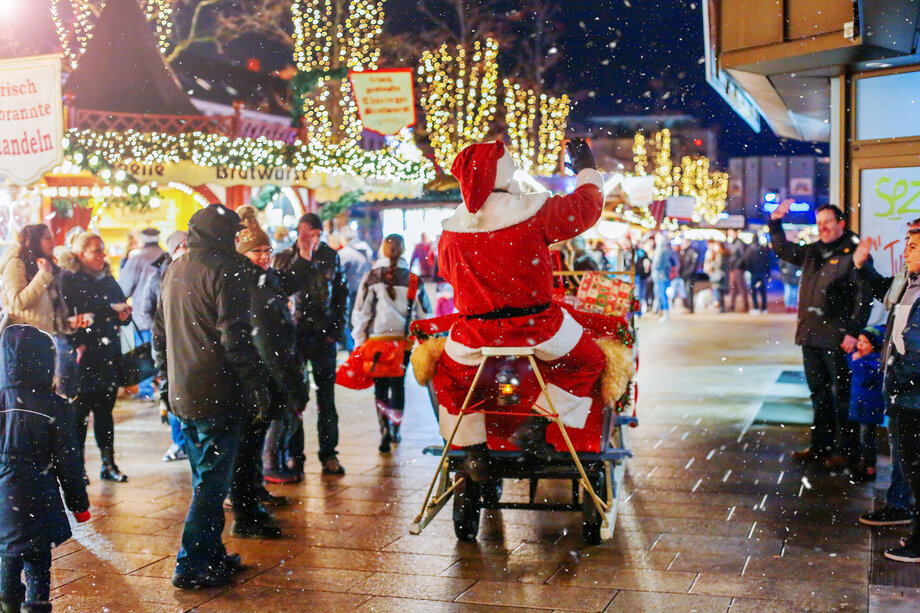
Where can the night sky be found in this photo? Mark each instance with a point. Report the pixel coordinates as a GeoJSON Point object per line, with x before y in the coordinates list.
{"type": "Point", "coordinates": [621, 56]}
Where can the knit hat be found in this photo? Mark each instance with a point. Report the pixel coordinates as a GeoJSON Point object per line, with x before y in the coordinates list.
{"type": "Point", "coordinates": [149, 236]}
{"type": "Point", "coordinates": [174, 240]}
{"type": "Point", "coordinates": [875, 336]}
{"type": "Point", "coordinates": [252, 236]}
{"type": "Point", "coordinates": [476, 168]}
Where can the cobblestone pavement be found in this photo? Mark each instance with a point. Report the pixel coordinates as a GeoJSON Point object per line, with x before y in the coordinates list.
{"type": "Point", "coordinates": [714, 516]}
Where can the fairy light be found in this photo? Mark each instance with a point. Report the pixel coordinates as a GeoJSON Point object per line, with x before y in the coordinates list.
{"type": "Point", "coordinates": [640, 155]}
{"type": "Point", "coordinates": [663, 165]}
{"type": "Point", "coordinates": [188, 190]}
{"type": "Point", "coordinates": [459, 96]}
{"type": "Point", "coordinates": [330, 35]}
{"type": "Point", "coordinates": [535, 129]}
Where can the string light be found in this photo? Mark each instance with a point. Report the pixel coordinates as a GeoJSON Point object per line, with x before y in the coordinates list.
{"type": "Point", "coordinates": [459, 96]}
{"type": "Point", "coordinates": [331, 35]}
{"type": "Point", "coordinates": [536, 131]}
{"type": "Point", "coordinates": [640, 155]}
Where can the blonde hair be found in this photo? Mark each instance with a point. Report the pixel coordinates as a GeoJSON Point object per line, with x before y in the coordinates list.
{"type": "Point", "coordinates": [82, 240]}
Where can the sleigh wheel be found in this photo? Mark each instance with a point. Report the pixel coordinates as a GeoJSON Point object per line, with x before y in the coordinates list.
{"type": "Point", "coordinates": [466, 508]}
{"type": "Point", "coordinates": [492, 492]}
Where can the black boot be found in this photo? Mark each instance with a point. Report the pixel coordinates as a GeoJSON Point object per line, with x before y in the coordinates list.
{"type": "Point", "coordinates": [254, 521]}
{"type": "Point", "coordinates": [530, 437]}
{"type": "Point", "coordinates": [110, 471]}
{"type": "Point", "coordinates": [36, 607]}
{"type": "Point", "coordinates": [385, 426]}
{"type": "Point", "coordinates": [476, 462]}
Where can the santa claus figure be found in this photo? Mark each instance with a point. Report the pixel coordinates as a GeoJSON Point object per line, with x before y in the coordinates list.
{"type": "Point", "coordinates": [494, 251]}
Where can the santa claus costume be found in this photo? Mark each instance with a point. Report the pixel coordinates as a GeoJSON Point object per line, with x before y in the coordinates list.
{"type": "Point", "coordinates": [494, 251]}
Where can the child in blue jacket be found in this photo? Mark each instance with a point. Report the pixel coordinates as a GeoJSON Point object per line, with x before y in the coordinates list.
{"type": "Point", "coordinates": [867, 402]}
{"type": "Point", "coordinates": [38, 450]}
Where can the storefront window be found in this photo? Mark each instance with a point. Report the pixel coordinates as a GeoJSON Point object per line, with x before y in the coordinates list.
{"type": "Point", "coordinates": [888, 106]}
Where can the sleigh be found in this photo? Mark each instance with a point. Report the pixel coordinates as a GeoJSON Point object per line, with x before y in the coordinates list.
{"type": "Point", "coordinates": [507, 382]}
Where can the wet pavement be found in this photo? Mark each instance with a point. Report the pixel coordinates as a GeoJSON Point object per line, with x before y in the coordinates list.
{"type": "Point", "coordinates": [713, 518]}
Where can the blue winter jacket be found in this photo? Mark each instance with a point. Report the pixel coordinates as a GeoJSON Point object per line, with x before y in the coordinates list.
{"type": "Point", "coordinates": [38, 447]}
{"type": "Point", "coordinates": [902, 376]}
{"type": "Point", "coordinates": [867, 402]}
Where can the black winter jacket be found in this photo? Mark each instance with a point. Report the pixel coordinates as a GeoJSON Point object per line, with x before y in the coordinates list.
{"type": "Point", "coordinates": [38, 447]}
{"type": "Point", "coordinates": [274, 335]}
{"type": "Point", "coordinates": [145, 305]}
{"type": "Point", "coordinates": [319, 304]}
{"type": "Point", "coordinates": [831, 302]}
{"type": "Point", "coordinates": [86, 292]}
{"type": "Point", "coordinates": [202, 332]}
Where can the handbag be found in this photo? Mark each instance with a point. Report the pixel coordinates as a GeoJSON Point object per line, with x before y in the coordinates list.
{"type": "Point", "coordinates": [135, 365]}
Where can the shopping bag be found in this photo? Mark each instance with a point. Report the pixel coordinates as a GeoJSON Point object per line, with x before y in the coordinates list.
{"type": "Point", "coordinates": [351, 374]}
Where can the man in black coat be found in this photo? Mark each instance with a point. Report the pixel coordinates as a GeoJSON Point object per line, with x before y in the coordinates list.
{"type": "Point", "coordinates": [203, 341]}
{"type": "Point", "coordinates": [832, 311]}
{"type": "Point", "coordinates": [319, 312]}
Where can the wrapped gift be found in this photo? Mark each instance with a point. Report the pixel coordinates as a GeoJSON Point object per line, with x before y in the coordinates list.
{"type": "Point", "coordinates": [601, 293]}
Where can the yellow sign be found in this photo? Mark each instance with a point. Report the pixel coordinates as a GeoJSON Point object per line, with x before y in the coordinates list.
{"type": "Point", "coordinates": [385, 98]}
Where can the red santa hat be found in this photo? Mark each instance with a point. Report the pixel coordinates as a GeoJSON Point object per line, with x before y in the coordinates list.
{"type": "Point", "coordinates": [475, 167]}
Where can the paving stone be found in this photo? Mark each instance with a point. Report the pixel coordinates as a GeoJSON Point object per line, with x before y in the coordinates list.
{"type": "Point", "coordinates": [627, 601]}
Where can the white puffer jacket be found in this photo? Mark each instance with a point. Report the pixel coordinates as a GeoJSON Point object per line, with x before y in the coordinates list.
{"type": "Point", "coordinates": [376, 314]}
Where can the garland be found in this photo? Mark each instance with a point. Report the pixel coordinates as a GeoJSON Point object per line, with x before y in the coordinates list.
{"type": "Point", "coordinates": [343, 202]}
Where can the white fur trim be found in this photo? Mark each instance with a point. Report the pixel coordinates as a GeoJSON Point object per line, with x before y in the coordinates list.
{"type": "Point", "coordinates": [573, 410]}
{"type": "Point", "coordinates": [461, 353]}
{"type": "Point", "coordinates": [589, 176]}
{"type": "Point", "coordinates": [562, 342]}
{"type": "Point", "coordinates": [500, 210]}
{"type": "Point", "coordinates": [472, 430]}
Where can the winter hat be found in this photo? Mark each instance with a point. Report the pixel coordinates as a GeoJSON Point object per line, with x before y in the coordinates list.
{"type": "Point", "coordinates": [476, 168]}
{"type": "Point", "coordinates": [875, 336]}
{"type": "Point", "coordinates": [252, 236]}
{"type": "Point", "coordinates": [149, 236]}
{"type": "Point", "coordinates": [174, 240]}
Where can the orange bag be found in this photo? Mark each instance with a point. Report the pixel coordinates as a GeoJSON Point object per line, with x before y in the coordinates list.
{"type": "Point", "coordinates": [383, 357]}
{"type": "Point", "coordinates": [351, 374]}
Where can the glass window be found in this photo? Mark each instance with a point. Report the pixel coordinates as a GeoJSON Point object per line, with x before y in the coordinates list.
{"type": "Point", "coordinates": [888, 106]}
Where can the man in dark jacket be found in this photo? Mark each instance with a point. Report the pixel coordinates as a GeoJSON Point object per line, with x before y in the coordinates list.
{"type": "Point", "coordinates": [902, 385]}
{"type": "Point", "coordinates": [737, 286]}
{"type": "Point", "coordinates": [688, 261]}
{"type": "Point", "coordinates": [203, 340]}
{"type": "Point", "coordinates": [891, 291]}
{"type": "Point", "coordinates": [38, 450]}
{"type": "Point", "coordinates": [319, 311]}
{"type": "Point", "coordinates": [757, 263]}
{"type": "Point", "coordinates": [832, 311]}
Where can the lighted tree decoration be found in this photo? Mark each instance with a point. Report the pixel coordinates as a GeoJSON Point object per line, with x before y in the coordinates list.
{"type": "Point", "coordinates": [76, 33]}
{"type": "Point", "coordinates": [536, 127]}
{"type": "Point", "coordinates": [332, 37]}
{"type": "Point", "coordinates": [459, 94]}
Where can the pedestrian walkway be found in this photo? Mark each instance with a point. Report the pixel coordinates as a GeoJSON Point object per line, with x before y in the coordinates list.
{"type": "Point", "coordinates": [714, 517]}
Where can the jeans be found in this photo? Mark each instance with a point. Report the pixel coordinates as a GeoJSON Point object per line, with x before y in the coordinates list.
{"type": "Point", "coordinates": [175, 427]}
{"type": "Point", "coordinates": [145, 387]}
{"type": "Point", "coordinates": [246, 485]}
{"type": "Point", "coordinates": [392, 391]}
{"type": "Point", "coordinates": [37, 565]}
{"type": "Point", "coordinates": [661, 293]}
{"type": "Point", "coordinates": [211, 445]}
{"type": "Point", "coordinates": [908, 427]}
{"type": "Point", "coordinates": [791, 296]}
{"type": "Point", "coordinates": [347, 339]}
{"type": "Point", "coordinates": [898, 494]}
{"type": "Point", "coordinates": [690, 285]}
{"type": "Point", "coordinates": [100, 404]}
{"type": "Point", "coordinates": [868, 444]}
{"type": "Point", "coordinates": [320, 354]}
{"type": "Point", "coordinates": [642, 291]}
{"type": "Point", "coordinates": [759, 290]}
{"type": "Point", "coordinates": [828, 378]}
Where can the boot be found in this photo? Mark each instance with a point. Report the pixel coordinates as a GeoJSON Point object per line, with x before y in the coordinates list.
{"type": "Point", "coordinates": [256, 523]}
{"type": "Point", "coordinates": [110, 471]}
{"type": "Point", "coordinates": [395, 438]}
{"type": "Point", "coordinates": [384, 421]}
{"type": "Point", "coordinates": [476, 462]}
{"type": "Point", "coordinates": [36, 607]}
{"type": "Point", "coordinates": [530, 437]}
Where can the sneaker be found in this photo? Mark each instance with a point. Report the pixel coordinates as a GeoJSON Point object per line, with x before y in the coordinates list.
{"type": "Point", "coordinates": [269, 499]}
{"type": "Point", "coordinates": [255, 529]}
{"type": "Point", "coordinates": [887, 516]}
{"type": "Point", "coordinates": [209, 578]}
{"type": "Point", "coordinates": [174, 453]}
{"type": "Point", "coordinates": [332, 466]}
{"type": "Point", "coordinates": [908, 552]}
{"type": "Point", "coordinates": [282, 477]}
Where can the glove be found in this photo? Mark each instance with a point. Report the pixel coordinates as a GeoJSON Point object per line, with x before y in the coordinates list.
{"type": "Point", "coordinates": [580, 155]}
{"type": "Point", "coordinates": [82, 517]}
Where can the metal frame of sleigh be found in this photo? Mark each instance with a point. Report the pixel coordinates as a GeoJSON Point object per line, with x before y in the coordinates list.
{"type": "Point", "coordinates": [592, 458]}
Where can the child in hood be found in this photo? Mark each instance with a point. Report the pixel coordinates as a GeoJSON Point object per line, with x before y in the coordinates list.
{"type": "Point", "coordinates": [867, 402]}
{"type": "Point", "coordinates": [38, 450]}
